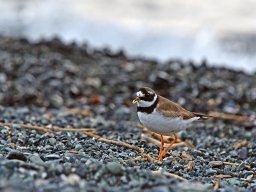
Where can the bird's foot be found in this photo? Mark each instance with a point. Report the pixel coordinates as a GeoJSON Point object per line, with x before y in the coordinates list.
{"type": "Point", "coordinates": [163, 152]}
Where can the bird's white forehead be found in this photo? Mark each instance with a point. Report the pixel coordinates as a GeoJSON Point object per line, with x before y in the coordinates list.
{"type": "Point", "coordinates": [140, 94]}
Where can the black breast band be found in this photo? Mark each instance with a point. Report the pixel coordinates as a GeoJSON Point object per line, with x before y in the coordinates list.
{"type": "Point", "coordinates": [149, 109]}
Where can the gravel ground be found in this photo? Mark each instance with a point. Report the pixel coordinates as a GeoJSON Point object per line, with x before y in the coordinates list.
{"type": "Point", "coordinates": [39, 82]}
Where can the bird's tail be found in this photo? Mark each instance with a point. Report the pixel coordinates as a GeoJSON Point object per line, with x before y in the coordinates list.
{"type": "Point", "coordinates": [202, 116]}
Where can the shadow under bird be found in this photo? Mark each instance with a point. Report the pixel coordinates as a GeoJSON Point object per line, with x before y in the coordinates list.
{"type": "Point", "coordinates": [163, 116]}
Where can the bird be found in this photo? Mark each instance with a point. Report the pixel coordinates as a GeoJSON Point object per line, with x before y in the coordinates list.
{"type": "Point", "coordinates": [163, 116]}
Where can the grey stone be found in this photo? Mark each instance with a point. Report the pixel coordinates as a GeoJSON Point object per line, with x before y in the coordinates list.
{"type": "Point", "coordinates": [78, 146]}
{"type": "Point", "coordinates": [233, 153]}
{"type": "Point", "coordinates": [16, 155]}
{"type": "Point", "coordinates": [193, 187]}
{"type": "Point", "coordinates": [234, 181]}
{"type": "Point", "coordinates": [210, 171]}
{"type": "Point", "coordinates": [215, 163]}
{"type": "Point", "coordinates": [52, 157]}
{"type": "Point", "coordinates": [243, 153]}
{"type": "Point", "coordinates": [158, 189]}
{"type": "Point", "coordinates": [35, 158]}
{"type": "Point", "coordinates": [52, 141]}
{"type": "Point", "coordinates": [71, 179]}
{"type": "Point", "coordinates": [114, 168]}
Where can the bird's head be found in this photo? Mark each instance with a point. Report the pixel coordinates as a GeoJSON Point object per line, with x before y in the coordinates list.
{"type": "Point", "coordinates": [145, 97]}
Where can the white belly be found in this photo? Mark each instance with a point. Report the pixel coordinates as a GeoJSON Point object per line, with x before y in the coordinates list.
{"type": "Point", "coordinates": [163, 125]}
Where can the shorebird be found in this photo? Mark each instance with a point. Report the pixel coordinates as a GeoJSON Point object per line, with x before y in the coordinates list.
{"type": "Point", "coordinates": [163, 116]}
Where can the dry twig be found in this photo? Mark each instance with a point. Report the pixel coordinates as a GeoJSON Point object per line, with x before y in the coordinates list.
{"type": "Point", "coordinates": [240, 144]}
{"type": "Point", "coordinates": [216, 185]}
{"type": "Point", "coordinates": [159, 172]}
{"type": "Point", "coordinates": [230, 163]}
{"type": "Point", "coordinates": [235, 164]}
{"type": "Point", "coordinates": [190, 165]}
{"type": "Point", "coordinates": [48, 129]}
{"type": "Point", "coordinates": [189, 144]}
{"type": "Point", "coordinates": [167, 139]}
{"type": "Point", "coordinates": [88, 132]}
{"type": "Point", "coordinates": [122, 144]}
{"type": "Point", "coordinates": [226, 116]}
{"type": "Point", "coordinates": [221, 176]}
{"type": "Point", "coordinates": [77, 111]}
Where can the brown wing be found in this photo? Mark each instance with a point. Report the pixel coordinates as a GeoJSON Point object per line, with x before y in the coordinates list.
{"type": "Point", "coordinates": [170, 109]}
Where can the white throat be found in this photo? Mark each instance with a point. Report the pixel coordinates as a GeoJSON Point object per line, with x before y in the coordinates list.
{"type": "Point", "coordinates": [147, 103]}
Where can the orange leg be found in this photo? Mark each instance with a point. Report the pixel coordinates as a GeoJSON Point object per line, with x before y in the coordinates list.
{"type": "Point", "coordinates": [161, 148]}
{"type": "Point", "coordinates": [164, 152]}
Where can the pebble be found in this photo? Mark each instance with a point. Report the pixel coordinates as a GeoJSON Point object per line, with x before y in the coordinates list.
{"type": "Point", "coordinates": [234, 181]}
{"type": "Point", "coordinates": [52, 157]}
{"type": "Point", "coordinates": [210, 171]}
{"type": "Point", "coordinates": [114, 168]}
{"type": "Point", "coordinates": [243, 153]}
{"type": "Point", "coordinates": [52, 141]}
{"type": "Point", "coordinates": [78, 147]}
{"type": "Point", "coordinates": [215, 163]}
{"type": "Point", "coordinates": [233, 153]}
{"type": "Point", "coordinates": [193, 187]}
{"type": "Point", "coordinates": [16, 155]}
{"type": "Point", "coordinates": [241, 166]}
{"type": "Point", "coordinates": [72, 179]}
{"type": "Point", "coordinates": [158, 189]}
{"type": "Point", "coordinates": [227, 170]}
{"type": "Point", "coordinates": [35, 158]}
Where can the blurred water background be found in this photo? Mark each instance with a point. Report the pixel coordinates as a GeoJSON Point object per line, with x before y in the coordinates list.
{"type": "Point", "coordinates": [222, 32]}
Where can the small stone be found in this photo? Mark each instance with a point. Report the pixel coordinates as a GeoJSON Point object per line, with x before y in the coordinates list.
{"type": "Point", "coordinates": [16, 155]}
{"type": "Point", "coordinates": [71, 179]}
{"type": "Point", "coordinates": [243, 153]}
{"type": "Point", "coordinates": [233, 153]}
{"type": "Point", "coordinates": [248, 135]}
{"type": "Point", "coordinates": [177, 167]}
{"type": "Point", "coordinates": [158, 189]}
{"type": "Point", "coordinates": [247, 173]}
{"type": "Point", "coordinates": [233, 181]}
{"type": "Point", "coordinates": [56, 100]}
{"type": "Point", "coordinates": [41, 182]}
{"type": "Point", "coordinates": [89, 162]}
{"type": "Point", "coordinates": [241, 166]}
{"type": "Point", "coordinates": [193, 187]}
{"type": "Point", "coordinates": [183, 135]}
{"type": "Point", "coordinates": [35, 158]}
{"type": "Point", "coordinates": [123, 155]}
{"type": "Point", "coordinates": [134, 183]}
{"type": "Point", "coordinates": [73, 157]}
{"type": "Point", "coordinates": [99, 173]}
{"type": "Point", "coordinates": [3, 77]}
{"type": "Point", "coordinates": [115, 168]}
{"type": "Point", "coordinates": [210, 171]}
{"type": "Point", "coordinates": [215, 163]}
{"type": "Point", "coordinates": [227, 170]}
{"type": "Point", "coordinates": [78, 146]}
{"type": "Point", "coordinates": [52, 141]}
{"type": "Point", "coordinates": [52, 156]}
{"type": "Point", "coordinates": [249, 177]}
